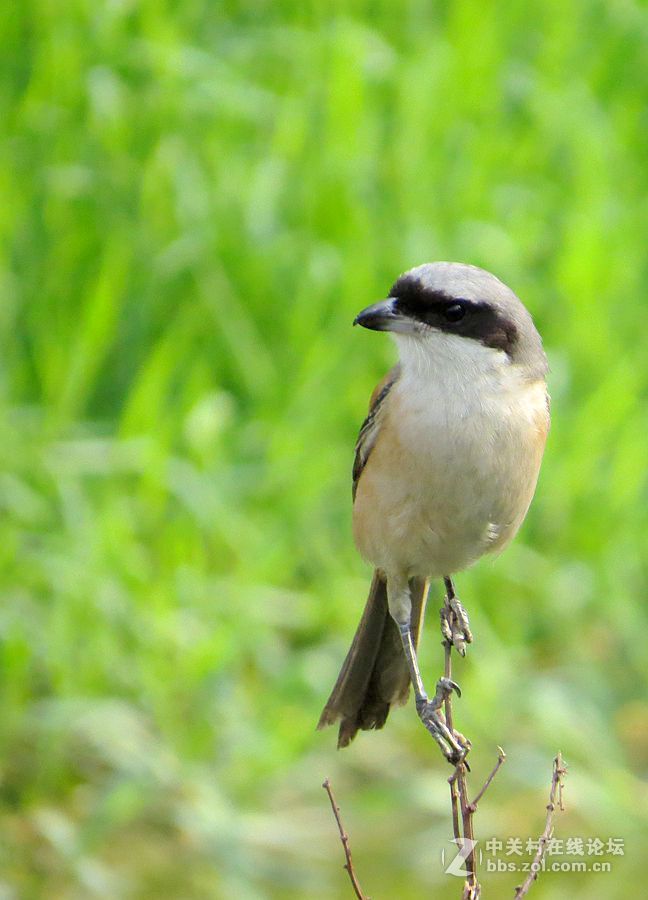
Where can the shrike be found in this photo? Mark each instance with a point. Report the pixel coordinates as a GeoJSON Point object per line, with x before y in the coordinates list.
{"type": "Point", "coordinates": [446, 465]}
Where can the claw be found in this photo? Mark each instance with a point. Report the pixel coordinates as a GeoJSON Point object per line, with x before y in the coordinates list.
{"type": "Point", "coordinates": [451, 747]}
{"type": "Point", "coordinates": [446, 628]}
{"type": "Point", "coordinates": [444, 687]}
{"type": "Point", "coordinates": [455, 625]}
{"type": "Point", "coordinates": [462, 623]}
{"type": "Point", "coordinates": [459, 643]}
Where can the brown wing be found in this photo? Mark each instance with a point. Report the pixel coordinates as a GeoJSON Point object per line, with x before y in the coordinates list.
{"type": "Point", "coordinates": [371, 425]}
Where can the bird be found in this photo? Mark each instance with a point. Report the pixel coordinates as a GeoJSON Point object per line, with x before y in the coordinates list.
{"type": "Point", "coordinates": [446, 465]}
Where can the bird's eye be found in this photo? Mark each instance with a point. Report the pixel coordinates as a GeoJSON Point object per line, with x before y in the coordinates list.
{"type": "Point", "coordinates": [454, 312]}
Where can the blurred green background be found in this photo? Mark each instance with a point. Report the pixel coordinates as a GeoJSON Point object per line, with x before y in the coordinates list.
{"type": "Point", "coordinates": [196, 200]}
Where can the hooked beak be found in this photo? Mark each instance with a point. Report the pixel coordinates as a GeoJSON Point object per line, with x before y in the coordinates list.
{"type": "Point", "coordinates": [384, 316]}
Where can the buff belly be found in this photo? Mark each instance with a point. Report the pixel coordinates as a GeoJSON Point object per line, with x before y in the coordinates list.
{"type": "Point", "coordinates": [454, 479]}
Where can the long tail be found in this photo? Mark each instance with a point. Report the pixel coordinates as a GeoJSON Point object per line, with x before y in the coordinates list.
{"type": "Point", "coordinates": [374, 675]}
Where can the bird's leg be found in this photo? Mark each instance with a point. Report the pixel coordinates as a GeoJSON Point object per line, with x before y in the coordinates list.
{"type": "Point", "coordinates": [429, 710]}
{"type": "Point", "coordinates": [455, 626]}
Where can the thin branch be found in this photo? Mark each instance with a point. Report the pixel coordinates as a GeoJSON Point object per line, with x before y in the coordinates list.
{"type": "Point", "coordinates": [500, 760]}
{"type": "Point", "coordinates": [472, 888]}
{"type": "Point", "coordinates": [463, 810]}
{"type": "Point", "coordinates": [459, 799]}
{"type": "Point", "coordinates": [344, 837]}
{"type": "Point", "coordinates": [454, 801]}
{"type": "Point", "coordinates": [559, 772]}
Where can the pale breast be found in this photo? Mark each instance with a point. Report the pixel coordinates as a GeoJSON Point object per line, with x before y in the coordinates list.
{"type": "Point", "coordinates": [451, 475]}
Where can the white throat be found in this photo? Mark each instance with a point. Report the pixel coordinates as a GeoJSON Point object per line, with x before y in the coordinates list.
{"type": "Point", "coordinates": [453, 366]}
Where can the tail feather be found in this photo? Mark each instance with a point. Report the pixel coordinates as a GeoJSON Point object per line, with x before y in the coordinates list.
{"type": "Point", "coordinates": [374, 675]}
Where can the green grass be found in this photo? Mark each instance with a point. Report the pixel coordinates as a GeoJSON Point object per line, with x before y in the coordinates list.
{"type": "Point", "coordinates": [197, 199]}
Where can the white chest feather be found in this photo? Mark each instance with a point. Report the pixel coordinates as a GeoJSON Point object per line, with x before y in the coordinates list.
{"type": "Point", "coordinates": [454, 470]}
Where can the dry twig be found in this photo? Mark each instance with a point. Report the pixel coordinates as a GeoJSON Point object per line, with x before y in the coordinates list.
{"type": "Point", "coordinates": [501, 758]}
{"type": "Point", "coordinates": [344, 837]}
{"type": "Point", "coordinates": [463, 828]}
{"type": "Point", "coordinates": [559, 771]}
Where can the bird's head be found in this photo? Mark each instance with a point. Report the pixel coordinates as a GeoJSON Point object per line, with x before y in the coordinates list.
{"type": "Point", "coordinates": [447, 304]}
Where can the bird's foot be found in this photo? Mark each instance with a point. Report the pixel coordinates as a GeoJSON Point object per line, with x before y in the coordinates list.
{"type": "Point", "coordinates": [453, 745]}
{"type": "Point", "coordinates": [455, 625]}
